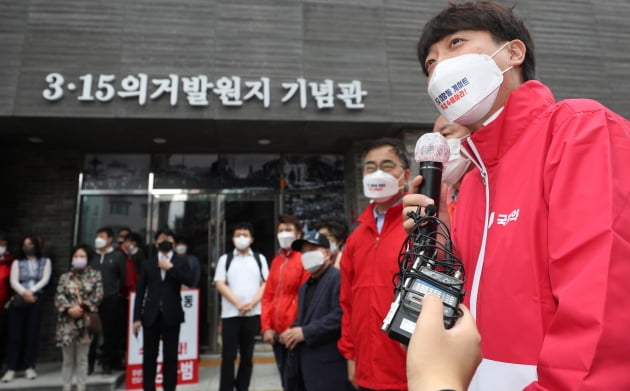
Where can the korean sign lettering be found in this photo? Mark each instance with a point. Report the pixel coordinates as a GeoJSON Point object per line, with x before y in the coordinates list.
{"type": "Point", "coordinates": [199, 91]}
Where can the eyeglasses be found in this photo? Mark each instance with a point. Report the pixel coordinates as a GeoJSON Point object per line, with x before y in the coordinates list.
{"type": "Point", "coordinates": [385, 165]}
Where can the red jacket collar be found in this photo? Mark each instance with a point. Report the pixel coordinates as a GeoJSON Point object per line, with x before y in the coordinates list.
{"type": "Point", "coordinates": [522, 106]}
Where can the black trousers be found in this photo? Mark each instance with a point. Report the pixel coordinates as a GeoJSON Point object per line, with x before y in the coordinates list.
{"type": "Point", "coordinates": [238, 333]}
{"type": "Point", "coordinates": [170, 339]}
{"type": "Point", "coordinates": [113, 329]}
{"type": "Point", "coordinates": [23, 331]}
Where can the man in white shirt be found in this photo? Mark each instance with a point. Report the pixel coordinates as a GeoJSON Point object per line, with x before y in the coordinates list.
{"type": "Point", "coordinates": [240, 279]}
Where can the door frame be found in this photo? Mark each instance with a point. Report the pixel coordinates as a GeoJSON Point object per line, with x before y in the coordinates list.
{"type": "Point", "coordinates": [216, 243]}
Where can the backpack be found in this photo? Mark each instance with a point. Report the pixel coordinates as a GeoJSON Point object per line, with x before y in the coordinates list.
{"type": "Point", "coordinates": [230, 255]}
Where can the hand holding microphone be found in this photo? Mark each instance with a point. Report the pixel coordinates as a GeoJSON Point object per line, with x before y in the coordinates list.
{"type": "Point", "coordinates": [431, 152]}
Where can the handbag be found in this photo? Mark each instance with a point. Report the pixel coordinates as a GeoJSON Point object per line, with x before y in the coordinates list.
{"type": "Point", "coordinates": [91, 320]}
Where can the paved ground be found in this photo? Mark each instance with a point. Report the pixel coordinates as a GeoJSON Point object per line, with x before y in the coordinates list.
{"type": "Point", "coordinates": [265, 377]}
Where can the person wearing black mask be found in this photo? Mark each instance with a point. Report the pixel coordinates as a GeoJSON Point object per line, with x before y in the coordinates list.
{"type": "Point", "coordinates": [30, 273]}
{"type": "Point", "coordinates": [158, 309]}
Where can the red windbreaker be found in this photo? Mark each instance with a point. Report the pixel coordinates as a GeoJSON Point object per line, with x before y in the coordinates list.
{"type": "Point", "coordinates": [280, 298]}
{"type": "Point", "coordinates": [5, 272]}
{"type": "Point", "coordinates": [548, 276]}
{"type": "Point", "coordinates": [369, 261]}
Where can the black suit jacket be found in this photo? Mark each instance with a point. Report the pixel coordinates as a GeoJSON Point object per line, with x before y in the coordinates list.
{"type": "Point", "coordinates": [323, 367]}
{"type": "Point", "coordinates": [151, 290]}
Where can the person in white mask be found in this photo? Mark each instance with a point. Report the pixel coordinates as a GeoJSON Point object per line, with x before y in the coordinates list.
{"type": "Point", "coordinates": [279, 301]}
{"type": "Point", "coordinates": [542, 220]}
{"type": "Point", "coordinates": [312, 338]}
{"type": "Point", "coordinates": [181, 248]}
{"type": "Point", "coordinates": [240, 279]}
{"type": "Point", "coordinates": [368, 262]}
{"type": "Point", "coordinates": [79, 291]}
{"type": "Point", "coordinates": [111, 263]}
{"type": "Point", "coordinates": [457, 164]}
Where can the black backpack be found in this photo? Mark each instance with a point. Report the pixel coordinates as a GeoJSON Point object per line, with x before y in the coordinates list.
{"type": "Point", "coordinates": [230, 255]}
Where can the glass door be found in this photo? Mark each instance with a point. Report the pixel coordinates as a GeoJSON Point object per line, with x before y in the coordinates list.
{"type": "Point", "coordinates": [206, 221]}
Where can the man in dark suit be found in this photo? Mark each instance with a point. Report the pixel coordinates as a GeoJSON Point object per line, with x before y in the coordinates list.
{"type": "Point", "coordinates": [313, 337]}
{"type": "Point", "coordinates": [158, 309]}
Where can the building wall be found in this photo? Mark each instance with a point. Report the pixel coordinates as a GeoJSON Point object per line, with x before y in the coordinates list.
{"type": "Point", "coordinates": [583, 49]}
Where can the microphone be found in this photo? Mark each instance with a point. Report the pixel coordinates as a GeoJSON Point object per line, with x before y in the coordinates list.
{"type": "Point", "coordinates": [422, 270]}
{"type": "Point", "coordinates": [432, 151]}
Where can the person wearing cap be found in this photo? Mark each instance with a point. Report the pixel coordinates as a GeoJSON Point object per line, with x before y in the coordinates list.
{"type": "Point", "coordinates": [314, 335]}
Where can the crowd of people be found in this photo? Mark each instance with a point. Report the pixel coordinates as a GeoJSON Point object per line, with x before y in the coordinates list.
{"type": "Point", "coordinates": [545, 254]}
{"type": "Point", "coordinates": [89, 298]}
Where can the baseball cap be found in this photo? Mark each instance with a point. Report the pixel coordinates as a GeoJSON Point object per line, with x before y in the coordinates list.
{"type": "Point", "coordinates": [312, 237]}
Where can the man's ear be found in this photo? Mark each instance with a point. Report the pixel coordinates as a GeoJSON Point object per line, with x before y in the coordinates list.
{"type": "Point", "coordinates": [517, 52]}
{"type": "Point", "coordinates": [407, 176]}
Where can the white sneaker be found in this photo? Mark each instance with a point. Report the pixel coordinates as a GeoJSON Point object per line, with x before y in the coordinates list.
{"type": "Point", "coordinates": [8, 376]}
{"type": "Point", "coordinates": [30, 374]}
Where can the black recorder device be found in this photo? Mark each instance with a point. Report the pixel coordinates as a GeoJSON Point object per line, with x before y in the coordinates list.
{"type": "Point", "coordinates": [400, 322]}
{"type": "Point", "coordinates": [428, 262]}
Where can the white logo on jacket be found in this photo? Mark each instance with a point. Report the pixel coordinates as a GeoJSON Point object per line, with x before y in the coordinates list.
{"type": "Point", "coordinates": [504, 218]}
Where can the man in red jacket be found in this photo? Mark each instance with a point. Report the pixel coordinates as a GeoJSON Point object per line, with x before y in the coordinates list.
{"type": "Point", "coordinates": [280, 298]}
{"type": "Point", "coordinates": [368, 263]}
{"type": "Point", "coordinates": [543, 219]}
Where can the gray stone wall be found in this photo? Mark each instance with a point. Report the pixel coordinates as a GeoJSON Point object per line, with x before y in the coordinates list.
{"type": "Point", "coordinates": [583, 49]}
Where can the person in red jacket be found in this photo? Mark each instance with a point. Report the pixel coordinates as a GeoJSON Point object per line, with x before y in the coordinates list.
{"type": "Point", "coordinates": [280, 298]}
{"type": "Point", "coordinates": [5, 270]}
{"type": "Point", "coordinates": [542, 220]}
{"type": "Point", "coordinates": [369, 261]}
{"type": "Point", "coordinates": [6, 259]}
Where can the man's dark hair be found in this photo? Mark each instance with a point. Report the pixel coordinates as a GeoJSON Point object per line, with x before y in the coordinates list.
{"type": "Point", "coordinates": [244, 225]}
{"type": "Point", "coordinates": [396, 145]}
{"type": "Point", "coordinates": [134, 237]}
{"type": "Point", "coordinates": [290, 219]}
{"type": "Point", "coordinates": [337, 227]}
{"type": "Point", "coordinates": [108, 231]}
{"type": "Point", "coordinates": [4, 236]}
{"type": "Point", "coordinates": [164, 231]}
{"type": "Point", "coordinates": [503, 23]}
{"type": "Point", "coordinates": [181, 239]}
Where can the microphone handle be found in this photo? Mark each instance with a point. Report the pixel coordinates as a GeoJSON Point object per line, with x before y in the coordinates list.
{"type": "Point", "coordinates": [431, 184]}
{"type": "Point", "coordinates": [431, 180]}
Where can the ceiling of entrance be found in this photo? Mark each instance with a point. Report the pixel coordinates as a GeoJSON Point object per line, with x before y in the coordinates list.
{"type": "Point", "coordinates": [188, 136]}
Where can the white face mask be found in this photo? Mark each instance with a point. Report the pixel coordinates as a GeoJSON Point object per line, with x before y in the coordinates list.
{"type": "Point", "coordinates": [285, 239]}
{"type": "Point", "coordinates": [465, 87]}
{"type": "Point", "coordinates": [241, 242]}
{"type": "Point", "coordinates": [457, 165]}
{"type": "Point", "coordinates": [3, 249]}
{"type": "Point", "coordinates": [181, 249]}
{"type": "Point", "coordinates": [99, 243]}
{"type": "Point", "coordinates": [312, 261]}
{"type": "Point", "coordinates": [79, 262]}
{"type": "Point", "coordinates": [380, 186]}
{"type": "Point", "coordinates": [133, 250]}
